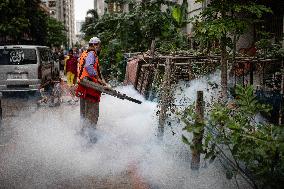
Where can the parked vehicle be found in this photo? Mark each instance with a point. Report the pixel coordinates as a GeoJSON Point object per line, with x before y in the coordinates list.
{"type": "Point", "coordinates": [56, 67]}
{"type": "Point", "coordinates": [27, 68]}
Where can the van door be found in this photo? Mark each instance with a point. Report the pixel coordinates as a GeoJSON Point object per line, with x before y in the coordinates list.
{"type": "Point", "coordinates": [18, 68]}
{"type": "Point", "coordinates": [45, 66]}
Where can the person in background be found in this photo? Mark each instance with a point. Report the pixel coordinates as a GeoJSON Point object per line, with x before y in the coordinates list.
{"type": "Point", "coordinates": [76, 53]}
{"type": "Point", "coordinates": [71, 68]}
{"type": "Point", "coordinates": [61, 59]}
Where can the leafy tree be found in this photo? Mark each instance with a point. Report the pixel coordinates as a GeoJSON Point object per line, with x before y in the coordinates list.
{"type": "Point", "coordinates": [222, 19]}
{"type": "Point", "coordinates": [134, 31]}
{"type": "Point", "coordinates": [13, 19]}
{"type": "Point", "coordinates": [38, 20]}
{"type": "Point", "coordinates": [89, 24]}
{"type": "Point", "coordinates": [56, 33]}
{"type": "Point", "coordinates": [179, 13]}
{"type": "Point", "coordinates": [24, 19]}
{"type": "Point", "coordinates": [247, 147]}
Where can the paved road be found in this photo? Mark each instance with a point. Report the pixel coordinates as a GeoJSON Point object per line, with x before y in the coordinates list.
{"type": "Point", "coordinates": [39, 148]}
{"type": "Point", "coordinates": [13, 105]}
{"type": "Point", "coordinates": [16, 105]}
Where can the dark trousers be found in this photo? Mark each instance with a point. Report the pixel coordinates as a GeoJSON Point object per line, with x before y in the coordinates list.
{"type": "Point", "coordinates": [89, 112]}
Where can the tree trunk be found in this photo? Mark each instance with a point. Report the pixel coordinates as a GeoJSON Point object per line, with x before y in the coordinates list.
{"type": "Point", "coordinates": [151, 61]}
{"type": "Point", "coordinates": [224, 69]}
{"type": "Point", "coordinates": [197, 137]}
{"type": "Point", "coordinates": [152, 50]}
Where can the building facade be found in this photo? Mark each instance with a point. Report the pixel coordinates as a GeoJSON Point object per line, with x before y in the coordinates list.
{"type": "Point", "coordinates": [63, 10]}
{"type": "Point", "coordinates": [273, 24]}
{"type": "Point", "coordinates": [79, 35]}
{"type": "Point", "coordinates": [100, 6]}
{"type": "Point", "coordinates": [112, 7]}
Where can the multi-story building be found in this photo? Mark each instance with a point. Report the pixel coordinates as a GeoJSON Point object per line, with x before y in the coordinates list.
{"type": "Point", "coordinates": [63, 10]}
{"type": "Point", "coordinates": [102, 7]}
{"type": "Point", "coordinates": [78, 33]}
{"type": "Point", "coordinates": [99, 6]}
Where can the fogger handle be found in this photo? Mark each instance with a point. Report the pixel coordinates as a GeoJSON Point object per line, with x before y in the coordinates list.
{"type": "Point", "coordinates": [85, 82]}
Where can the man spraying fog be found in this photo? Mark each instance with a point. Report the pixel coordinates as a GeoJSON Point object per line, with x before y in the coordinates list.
{"type": "Point", "coordinates": [88, 67]}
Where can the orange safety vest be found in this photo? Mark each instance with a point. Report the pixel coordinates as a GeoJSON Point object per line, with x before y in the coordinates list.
{"type": "Point", "coordinates": [82, 91]}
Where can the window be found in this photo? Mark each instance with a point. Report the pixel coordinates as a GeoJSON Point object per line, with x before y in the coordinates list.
{"type": "Point", "coordinates": [115, 7]}
{"type": "Point", "coordinates": [43, 55]}
{"type": "Point", "coordinates": [52, 12]}
{"type": "Point", "coordinates": [17, 56]}
{"type": "Point", "coordinates": [52, 3]}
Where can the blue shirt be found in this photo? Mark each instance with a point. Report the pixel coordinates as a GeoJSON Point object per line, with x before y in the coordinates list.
{"type": "Point", "coordinates": [90, 61]}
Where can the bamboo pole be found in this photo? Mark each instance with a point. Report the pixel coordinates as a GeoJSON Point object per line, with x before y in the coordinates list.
{"type": "Point", "coordinates": [138, 73]}
{"type": "Point", "coordinates": [165, 97]}
{"type": "Point", "coordinates": [150, 84]}
{"type": "Point", "coordinates": [190, 71]}
{"type": "Point", "coordinates": [197, 137]}
{"type": "Point", "coordinates": [152, 50]}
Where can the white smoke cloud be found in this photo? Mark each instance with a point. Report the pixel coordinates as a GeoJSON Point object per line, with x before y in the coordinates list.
{"type": "Point", "coordinates": [49, 150]}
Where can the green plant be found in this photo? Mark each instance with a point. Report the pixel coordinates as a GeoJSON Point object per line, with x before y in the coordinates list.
{"type": "Point", "coordinates": [249, 148]}
{"type": "Point", "coordinates": [267, 49]}
{"type": "Point", "coordinates": [219, 21]}
{"type": "Point", "coordinates": [56, 33]}
{"type": "Point", "coordinates": [135, 30]}
{"type": "Point", "coordinates": [24, 21]}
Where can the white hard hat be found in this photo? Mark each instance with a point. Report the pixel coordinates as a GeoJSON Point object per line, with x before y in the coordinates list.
{"type": "Point", "coordinates": [94, 40]}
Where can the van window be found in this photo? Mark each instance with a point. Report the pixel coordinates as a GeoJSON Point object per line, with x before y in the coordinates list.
{"type": "Point", "coordinates": [17, 56]}
{"type": "Point", "coordinates": [44, 55]}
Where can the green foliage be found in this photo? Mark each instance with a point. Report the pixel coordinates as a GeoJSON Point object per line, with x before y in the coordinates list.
{"type": "Point", "coordinates": [38, 20]}
{"type": "Point", "coordinates": [134, 32]}
{"type": "Point", "coordinates": [89, 24]}
{"type": "Point", "coordinates": [22, 18]}
{"type": "Point", "coordinates": [222, 18]}
{"type": "Point", "coordinates": [221, 23]}
{"type": "Point", "coordinates": [252, 149]}
{"type": "Point", "coordinates": [56, 34]}
{"type": "Point", "coordinates": [179, 14]}
{"type": "Point", "coordinates": [13, 18]}
{"type": "Point", "coordinates": [112, 61]}
{"type": "Point", "coordinates": [266, 48]}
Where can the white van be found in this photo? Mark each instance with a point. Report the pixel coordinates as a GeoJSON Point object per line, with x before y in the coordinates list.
{"type": "Point", "coordinates": [26, 68]}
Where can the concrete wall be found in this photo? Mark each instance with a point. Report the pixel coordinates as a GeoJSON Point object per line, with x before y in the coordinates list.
{"type": "Point", "coordinates": [193, 9]}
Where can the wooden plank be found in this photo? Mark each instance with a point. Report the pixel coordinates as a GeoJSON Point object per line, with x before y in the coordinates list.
{"type": "Point", "coordinates": [198, 136]}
